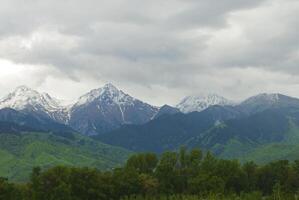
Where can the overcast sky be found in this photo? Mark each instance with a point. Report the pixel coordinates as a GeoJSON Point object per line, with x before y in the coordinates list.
{"type": "Point", "coordinates": [156, 50]}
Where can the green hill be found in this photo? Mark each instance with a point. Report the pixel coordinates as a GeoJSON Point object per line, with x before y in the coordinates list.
{"type": "Point", "coordinates": [267, 136]}
{"type": "Point", "coordinates": [19, 153]}
{"type": "Point", "coordinates": [288, 149]}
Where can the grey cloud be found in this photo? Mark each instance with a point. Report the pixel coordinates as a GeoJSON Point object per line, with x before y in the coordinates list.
{"type": "Point", "coordinates": [211, 13]}
{"type": "Point", "coordinates": [268, 39]}
{"type": "Point", "coordinates": [179, 44]}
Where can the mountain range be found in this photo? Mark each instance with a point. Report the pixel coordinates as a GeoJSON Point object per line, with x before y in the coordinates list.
{"type": "Point", "coordinates": [100, 110]}
{"type": "Point", "coordinates": [246, 131]}
{"type": "Point", "coordinates": [44, 131]}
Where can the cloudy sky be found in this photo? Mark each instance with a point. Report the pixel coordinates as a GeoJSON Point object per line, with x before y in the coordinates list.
{"type": "Point", "coordinates": [158, 51]}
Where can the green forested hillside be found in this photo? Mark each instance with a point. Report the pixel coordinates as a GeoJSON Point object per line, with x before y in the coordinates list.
{"type": "Point", "coordinates": [181, 175]}
{"type": "Point", "coordinates": [19, 153]}
{"type": "Point", "coordinates": [264, 136]}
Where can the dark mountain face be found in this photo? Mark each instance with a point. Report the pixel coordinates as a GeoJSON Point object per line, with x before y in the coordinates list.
{"type": "Point", "coordinates": [265, 127]}
{"type": "Point", "coordinates": [166, 110]}
{"type": "Point", "coordinates": [106, 109]}
{"type": "Point", "coordinates": [169, 132]}
{"type": "Point", "coordinates": [21, 118]}
{"type": "Point", "coordinates": [254, 137]}
{"type": "Point", "coordinates": [264, 118]}
{"type": "Point", "coordinates": [263, 102]}
{"type": "Point", "coordinates": [10, 127]}
{"type": "Point", "coordinates": [35, 123]}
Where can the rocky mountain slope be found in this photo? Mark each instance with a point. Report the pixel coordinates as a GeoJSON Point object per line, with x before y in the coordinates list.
{"type": "Point", "coordinates": [107, 108]}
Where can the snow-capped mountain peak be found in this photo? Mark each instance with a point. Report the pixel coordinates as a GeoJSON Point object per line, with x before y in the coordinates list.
{"type": "Point", "coordinates": [26, 99]}
{"type": "Point", "coordinates": [107, 92]}
{"type": "Point", "coordinates": [23, 91]}
{"type": "Point", "coordinates": [23, 96]}
{"type": "Point", "coordinates": [263, 98]}
{"type": "Point", "coordinates": [110, 87]}
{"type": "Point", "coordinates": [107, 108]}
{"type": "Point", "coordinates": [201, 102]}
{"type": "Point", "coordinates": [266, 101]}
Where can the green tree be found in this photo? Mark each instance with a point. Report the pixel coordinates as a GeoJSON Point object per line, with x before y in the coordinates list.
{"type": "Point", "coordinates": [149, 184]}
{"type": "Point", "coordinates": [195, 158]}
{"type": "Point", "coordinates": [250, 169]}
{"type": "Point", "coordinates": [232, 174]}
{"type": "Point", "coordinates": [90, 184]}
{"type": "Point", "coordinates": [126, 182]}
{"type": "Point", "coordinates": [165, 172]}
{"type": "Point", "coordinates": [53, 185]}
{"type": "Point", "coordinates": [143, 163]}
{"type": "Point", "coordinates": [205, 184]}
{"type": "Point", "coordinates": [9, 191]}
{"type": "Point", "coordinates": [271, 174]}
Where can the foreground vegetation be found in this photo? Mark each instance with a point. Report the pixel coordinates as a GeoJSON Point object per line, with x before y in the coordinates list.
{"type": "Point", "coordinates": [183, 175]}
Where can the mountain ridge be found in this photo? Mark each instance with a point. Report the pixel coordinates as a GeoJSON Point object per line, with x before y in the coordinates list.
{"type": "Point", "coordinates": [119, 119]}
{"type": "Point", "coordinates": [108, 108]}
{"type": "Point", "coordinates": [228, 131]}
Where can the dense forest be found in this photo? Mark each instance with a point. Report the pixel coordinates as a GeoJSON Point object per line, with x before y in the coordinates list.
{"type": "Point", "coordinates": [184, 175]}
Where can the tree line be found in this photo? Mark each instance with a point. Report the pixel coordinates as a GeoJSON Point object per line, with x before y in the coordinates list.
{"type": "Point", "coordinates": [185, 175]}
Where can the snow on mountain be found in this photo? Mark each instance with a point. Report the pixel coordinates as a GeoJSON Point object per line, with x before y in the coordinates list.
{"type": "Point", "coordinates": [100, 110]}
{"type": "Point", "coordinates": [23, 97]}
{"type": "Point", "coordinates": [200, 103]}
{"type": "Point", "coordinates": [266, 101]}
{"type": "Point", "coordinates": [108, 92]}
{"type": "Point", "coordinates": [263, 98]}
{"type": "Point", "coordinates": [107, 108]}
{"type": "Point", "coordinates": [26, 99]}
